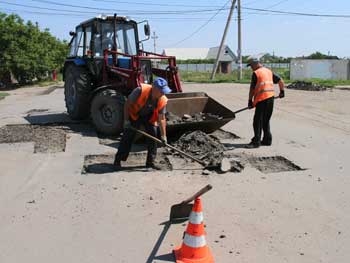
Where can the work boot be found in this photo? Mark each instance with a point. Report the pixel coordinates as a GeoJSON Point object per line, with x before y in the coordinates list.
{"type": "Point", "coordinates": [117, 165]}
{"type": "Point", "coordinates": [265, 143]}
{"type": "Point", "coordinates": [252, 145]}
{"type": "Point", "coordinates": [152, 165]}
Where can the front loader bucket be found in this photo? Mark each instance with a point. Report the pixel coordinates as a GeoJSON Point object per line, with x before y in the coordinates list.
{"type": "Point", "coordinates": [206, 114]}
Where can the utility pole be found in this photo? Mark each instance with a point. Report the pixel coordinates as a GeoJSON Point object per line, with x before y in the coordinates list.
{"type": "Point", "coordinates": [223, 40]}
{"type": "Point", "coordinates": [239, 51]}
{"type": "Point", "coordinates": [154, 37]}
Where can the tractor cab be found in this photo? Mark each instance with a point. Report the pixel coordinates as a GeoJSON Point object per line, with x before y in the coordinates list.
{"type": "Point", "coordinates": [94, 36]}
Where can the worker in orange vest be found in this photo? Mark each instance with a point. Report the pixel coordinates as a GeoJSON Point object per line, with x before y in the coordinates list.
{"type": "Point", "coordinates": [261, 97]}
{"type": "Point", "coordinates": [146, 105]}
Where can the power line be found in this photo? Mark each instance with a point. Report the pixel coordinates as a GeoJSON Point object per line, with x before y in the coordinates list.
{"type": "Point", "coordinates": [280, 2]}
{"type": "Point", "coordinates": [172, 12]}
{"type": "Point", "coordinates": [296, 13]}
{"type": "Point", "coordinates": [150, 3]}
{"type": "Point", "coordinates": [130, 11]}
{"type": "Point", "coordinates": [260, 11]}
{"type": "Point", "coordinates": [42, 8]}
{"type": "Point", "coordinates": [202, 26]}
{"type": "Point", "coordinates": [42, 13]}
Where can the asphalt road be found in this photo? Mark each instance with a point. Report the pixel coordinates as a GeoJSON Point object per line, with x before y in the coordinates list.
{"type": "Point", "coordinates": [52, 212]}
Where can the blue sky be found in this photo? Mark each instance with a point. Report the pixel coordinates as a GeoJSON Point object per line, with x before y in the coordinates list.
{"type": "Point", "coordinates": [201, 23]}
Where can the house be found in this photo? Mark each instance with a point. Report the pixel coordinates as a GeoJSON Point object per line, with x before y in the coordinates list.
{"type": "Point", "coordinates": [226, 58]}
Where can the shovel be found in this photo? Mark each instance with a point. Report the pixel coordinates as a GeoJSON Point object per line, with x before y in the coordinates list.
{"type": "Point", "coordinates": [246, 108]}
{"type": "Point", "coordinates": [182, 210]}
{"type": "Point", "coordinates": [224, 165]}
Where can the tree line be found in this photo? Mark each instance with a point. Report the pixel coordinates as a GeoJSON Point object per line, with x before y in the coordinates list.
{"type": "Point", "coordinates": [26, 52]}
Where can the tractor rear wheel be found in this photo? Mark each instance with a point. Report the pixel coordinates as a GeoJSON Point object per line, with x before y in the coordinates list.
{"type": "Point", "coordinates": [77, 87]}
{"type": "Point", "coordinates": [107, 112]}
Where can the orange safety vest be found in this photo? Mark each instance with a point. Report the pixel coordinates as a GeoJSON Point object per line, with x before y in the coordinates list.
{"type": "Point", "coordinates": [264, 86]}
{"type": "Point", "coordinates": [135, 107]}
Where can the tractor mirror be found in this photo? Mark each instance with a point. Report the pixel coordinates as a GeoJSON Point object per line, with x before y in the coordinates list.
{"type": "Point", "coordinates": [147, 30]}
{"type": "Point", "coordinates": [72, 33]}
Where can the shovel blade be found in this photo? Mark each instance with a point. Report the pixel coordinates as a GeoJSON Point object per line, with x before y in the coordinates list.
{"type": "Point", "coordinates": [180, 211]}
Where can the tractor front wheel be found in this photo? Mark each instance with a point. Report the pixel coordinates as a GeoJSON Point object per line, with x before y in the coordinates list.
{"type": "Point", "coordinates": [107, 112]}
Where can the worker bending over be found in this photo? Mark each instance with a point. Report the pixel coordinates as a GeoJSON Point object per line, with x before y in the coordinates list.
{"type": "Point", "coordinates": [146, 105]}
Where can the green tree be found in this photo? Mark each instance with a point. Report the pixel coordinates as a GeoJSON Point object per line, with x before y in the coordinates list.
{"type": "Point", "coordinates": [319, 55]}
{"type": "Point", "coordinates": [26, 52]}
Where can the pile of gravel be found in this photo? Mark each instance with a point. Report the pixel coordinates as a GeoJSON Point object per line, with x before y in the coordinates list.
{"type": "Point", "coordinates": [198, 117]}
{"type": "Point", "coordinates": [202, 146]}
{"type": "Point", "coordinates": [306, 85]}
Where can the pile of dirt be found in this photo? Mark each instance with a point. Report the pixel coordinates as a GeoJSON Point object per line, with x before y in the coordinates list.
{"type": "Point", "coordinates": [306, 85]}
{"type": "Point", "coordinates": [198, 117]}
{"type": "Point", "coordinates": [202, 146]}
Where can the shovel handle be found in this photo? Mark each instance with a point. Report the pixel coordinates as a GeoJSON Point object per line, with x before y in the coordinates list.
{"type": "Point", "coordinates": [169, 146]}
{"type": "Point", "coordinates": [198, 194]}
{"type": "Point", "coordinates": [241, 110]}
{"type": "Point", "coordinates": [246, 108]}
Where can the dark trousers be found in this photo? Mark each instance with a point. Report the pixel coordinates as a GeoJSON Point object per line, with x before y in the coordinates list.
{"type": "Point", "coordinates": [261, 122]}
{"type": "Point", "coordinates": [128, 137]}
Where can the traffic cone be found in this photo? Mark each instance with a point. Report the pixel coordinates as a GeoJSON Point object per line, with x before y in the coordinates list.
{"type": "Point", "coordinates": [194, 247]}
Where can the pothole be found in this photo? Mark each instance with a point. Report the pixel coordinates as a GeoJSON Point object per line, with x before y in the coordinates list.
{"type": "Point", "coordinates": [47, 138]}
{"type": "Point", "coordinates": [224, 135]}
{"type": "Point", "coordinates": [103, 163]}
{"type": "Point", "coordinates": [273, 164]}
{"type": "Point", "coordinates": [205, 147]}
{"type": "Point", "coordinates": [201, 146]}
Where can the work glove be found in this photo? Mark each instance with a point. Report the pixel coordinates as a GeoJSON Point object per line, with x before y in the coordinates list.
{"type": "Point", "coordinates": [281, 95]}
{"type": "Point", "coordinates": [127, 124]}
{"type": "Point", "coordinates": [250, 104]}
{"type": "Point", "coordinates": [164, 140]}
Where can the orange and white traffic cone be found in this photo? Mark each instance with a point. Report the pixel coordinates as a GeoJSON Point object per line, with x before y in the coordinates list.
{"type": "Point", "coordinates": [194, 247]}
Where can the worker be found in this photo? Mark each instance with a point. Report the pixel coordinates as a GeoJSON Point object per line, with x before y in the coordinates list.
{"type": "Point", "coordinates": [146, 105]}
{"type": "Point", "coordinates": [261, 97]}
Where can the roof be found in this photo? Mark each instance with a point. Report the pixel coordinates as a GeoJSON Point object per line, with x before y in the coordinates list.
{"type": "Point", "coordinates": [226, 54]}
{"type": "Point", "coordinates": [201, 53]}
{"type": "Point", "coordinates": [187, 53]}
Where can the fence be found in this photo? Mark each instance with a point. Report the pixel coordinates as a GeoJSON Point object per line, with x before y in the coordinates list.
{"type": "Point", "coordinates": [209, 67]}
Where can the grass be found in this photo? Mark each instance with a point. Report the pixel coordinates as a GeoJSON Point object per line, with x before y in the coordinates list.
{"type": "Point", "coordinates": [204, 77]}
{"type": "Point", "coordinates": [3, 95]}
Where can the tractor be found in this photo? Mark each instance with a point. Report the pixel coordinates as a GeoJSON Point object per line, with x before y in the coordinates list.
{"type": "Point", "coordinates": [105, 63]}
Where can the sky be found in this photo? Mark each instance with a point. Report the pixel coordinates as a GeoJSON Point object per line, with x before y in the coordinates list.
{"type": "Point", "coordinates": [287, 28]}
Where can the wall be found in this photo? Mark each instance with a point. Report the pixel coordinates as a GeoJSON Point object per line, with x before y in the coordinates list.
{"type": "Point", "coordinates": [320, 69]}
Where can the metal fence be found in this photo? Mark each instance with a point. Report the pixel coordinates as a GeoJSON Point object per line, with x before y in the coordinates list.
{"type": "Point", "coordinates": [209, 67]}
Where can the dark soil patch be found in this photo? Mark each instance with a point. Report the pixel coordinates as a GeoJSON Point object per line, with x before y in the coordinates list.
{"type": "Point", "coordinates": [102, 163]}
{"type": "Point", "coordinates": [50, 89]}
{"type": "Point", "coordinates": [236, 166]}
{"type": "Point", "coordinates": [224, 135]}
{"type": "Point", "coordinates": [46, 139]}
{"type": "Point", "coordinates": [198, 117]}
{"type": "Point", "coordinates": [305, 85]}
{"type": "Point", "coordinates": [273, 164]}
{"type": "Point", "coordinates": [202, 146]}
